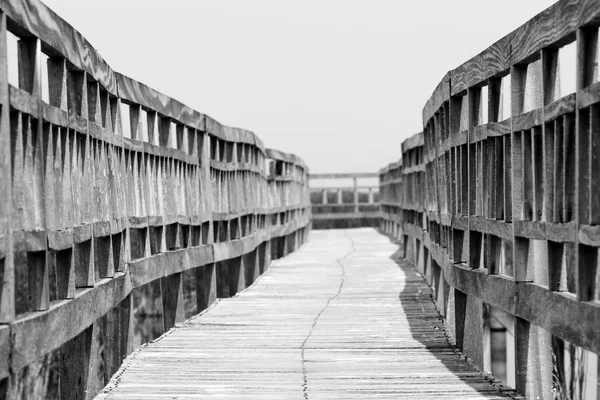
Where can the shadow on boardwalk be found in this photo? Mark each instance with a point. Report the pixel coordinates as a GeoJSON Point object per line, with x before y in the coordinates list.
{"type": "Point", "coordinates": [428, 327]}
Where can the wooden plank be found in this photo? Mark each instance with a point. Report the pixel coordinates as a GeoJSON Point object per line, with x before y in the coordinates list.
{"type": "Point", "coordinates": [533, 361]}
{"type": "Point", "coordinates": [65, 320]}
{"type": "Point", "coordinates": [83, 201]}
{"type": "Point", "coordinates": [34, 17]}
{"type": "Point", "coordinates": [317, 325]}
{"type": "Point", "coordinates": [552, 27]}
{"type": "Point", "coordinates": [290, 158]}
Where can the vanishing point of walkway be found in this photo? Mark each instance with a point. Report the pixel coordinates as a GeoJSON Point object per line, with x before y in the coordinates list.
{"type": "Point", "coordinates": [338, 319]}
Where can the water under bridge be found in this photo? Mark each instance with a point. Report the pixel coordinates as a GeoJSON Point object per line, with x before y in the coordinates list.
{"type": "Point", "coordinates": [148, 251]}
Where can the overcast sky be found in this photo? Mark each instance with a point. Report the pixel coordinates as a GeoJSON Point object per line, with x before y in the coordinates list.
{"type": "Point", "coordinates": [340, 83]}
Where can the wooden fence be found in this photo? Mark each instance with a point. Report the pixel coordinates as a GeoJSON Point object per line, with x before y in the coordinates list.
{"type": "Point", "coordinates": [498, 200]}
{"type": "Point", "coordinates": [339, 206]}
{"type": "Point", "coordinates": [109, 186]}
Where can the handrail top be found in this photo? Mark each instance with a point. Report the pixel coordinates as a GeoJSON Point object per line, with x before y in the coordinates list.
{"type": "Point", "coordinates": [553, 27]}
{"type": "Point", "coordinates": [291, 158]}
{"type": "Point", "coordinates": [391, 166]}
{"type": "Point", "coordinates": [60, 39]}
{"type": "Point", "coordinates": [415, 140]}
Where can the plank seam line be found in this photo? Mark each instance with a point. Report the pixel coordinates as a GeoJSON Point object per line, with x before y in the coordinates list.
{"type": "Point", "coordinates": [312, 328]}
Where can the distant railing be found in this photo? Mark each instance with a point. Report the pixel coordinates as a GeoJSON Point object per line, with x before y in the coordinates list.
{"type": "Point", "coordinates": [343, 206]}
{"type": "Point", "coordinates": [498, 202]}
{"type": "Point", "coordinates": [117, 201]}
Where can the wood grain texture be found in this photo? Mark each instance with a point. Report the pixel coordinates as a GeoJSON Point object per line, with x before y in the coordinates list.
{"type": "Point", "coordinates": [414, 141]}
{"type": "Point", "coordinates": [326, 322]}
{"type": "Point", "coordinates": [287, 157]}
{"type": "Point", "coordinates": [101, 202]}
{"type": "Point", "coordinates": [440, 95]}
{"type": "Point", "coordinates": [530, 180]}
{"type": "Point", "coordinates": [59, 37]}
{"type": "Point", "coordinates": [553, 27]}
{"type": "Point", "coordinates": [7, 291]}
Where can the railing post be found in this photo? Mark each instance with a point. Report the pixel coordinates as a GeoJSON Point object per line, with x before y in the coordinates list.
{"type": "Point", "coordinates": [533, 360]}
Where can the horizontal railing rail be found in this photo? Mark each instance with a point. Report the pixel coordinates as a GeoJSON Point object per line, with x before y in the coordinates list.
{"type": "Point", "coordinates": [498, 200]}
{"type": "Point", "coordinates": [116, 199]}
{"type": "Point", "coordinates": [345, 175]}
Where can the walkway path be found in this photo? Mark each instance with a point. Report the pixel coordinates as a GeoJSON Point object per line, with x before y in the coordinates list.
{"type": "Point", "coordinates": [338, 319]}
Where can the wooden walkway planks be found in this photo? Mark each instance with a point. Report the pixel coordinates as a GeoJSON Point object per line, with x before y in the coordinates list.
{"type": "Point", "coordinates": [337, 319]}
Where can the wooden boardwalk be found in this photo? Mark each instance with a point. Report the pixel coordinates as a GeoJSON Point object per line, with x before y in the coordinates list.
{"type": "Point", "coordinates": [337, 319]}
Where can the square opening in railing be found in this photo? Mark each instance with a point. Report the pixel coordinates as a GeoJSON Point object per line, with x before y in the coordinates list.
{"type": "Point", "coordinates": [483, 106]}
{"type": "Point", "coordinates": [60, 274]}
{"type": "Point", "coordinates": [143, 123]}
{"type": "Point", "coordinates": [499, 344]}
{"type": "Point", "coordinates": [148, 312]}
{"type": "Point", "coordinates": [589, 56]}
{"type": "Point", "coordinates": [567, 70]}
{"type": "Point", "coordinates": [12, 55]}
{"type": "Point", "coordinates": [180, 143]}
{"type": "Point", "coordinates": [126, 120]}
{"type": "Point", "coordinates": [505, 101]}
{"type": "Point", "coordinates": [117, 248]}
{"type": "Point", "coordinates": [44, 84]}
{"type": "Point", "coordinates": [28, 280]}
{"type": "Point", "coordinates": [137, 239]}
{"type": "Point", "coordinates": [506, 267]}
{"type": "Point", "coordinates": [152, 123]}
{"type": "Point", "coordinates": [172, 143]}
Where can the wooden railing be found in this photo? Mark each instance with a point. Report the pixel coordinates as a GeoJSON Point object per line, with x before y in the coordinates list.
{"type": "Point", "coordinates": [499, 203]}
{"type": "Point", "coordinates": [110, 190]}
{"type": "Point", "coordinates": [336, 205]}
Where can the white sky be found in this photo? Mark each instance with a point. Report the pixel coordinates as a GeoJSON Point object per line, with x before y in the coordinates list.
{"type": "Point", "coordinates": [340, 83]}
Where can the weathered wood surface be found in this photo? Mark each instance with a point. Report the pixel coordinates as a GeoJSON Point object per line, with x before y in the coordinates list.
{"type": "Point", "coordinates": [338, 319]}
{"type": "Point", "coordinates": [115, 196]}
{"type": "Point", "coordinates": [498, 200]}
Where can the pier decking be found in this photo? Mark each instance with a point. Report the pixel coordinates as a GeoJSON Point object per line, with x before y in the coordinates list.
{"type": "Point", "coordinates": [338, 319]}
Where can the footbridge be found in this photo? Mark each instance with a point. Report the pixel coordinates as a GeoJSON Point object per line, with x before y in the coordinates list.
{"type": "Point", "coordinates": [149, 251]}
